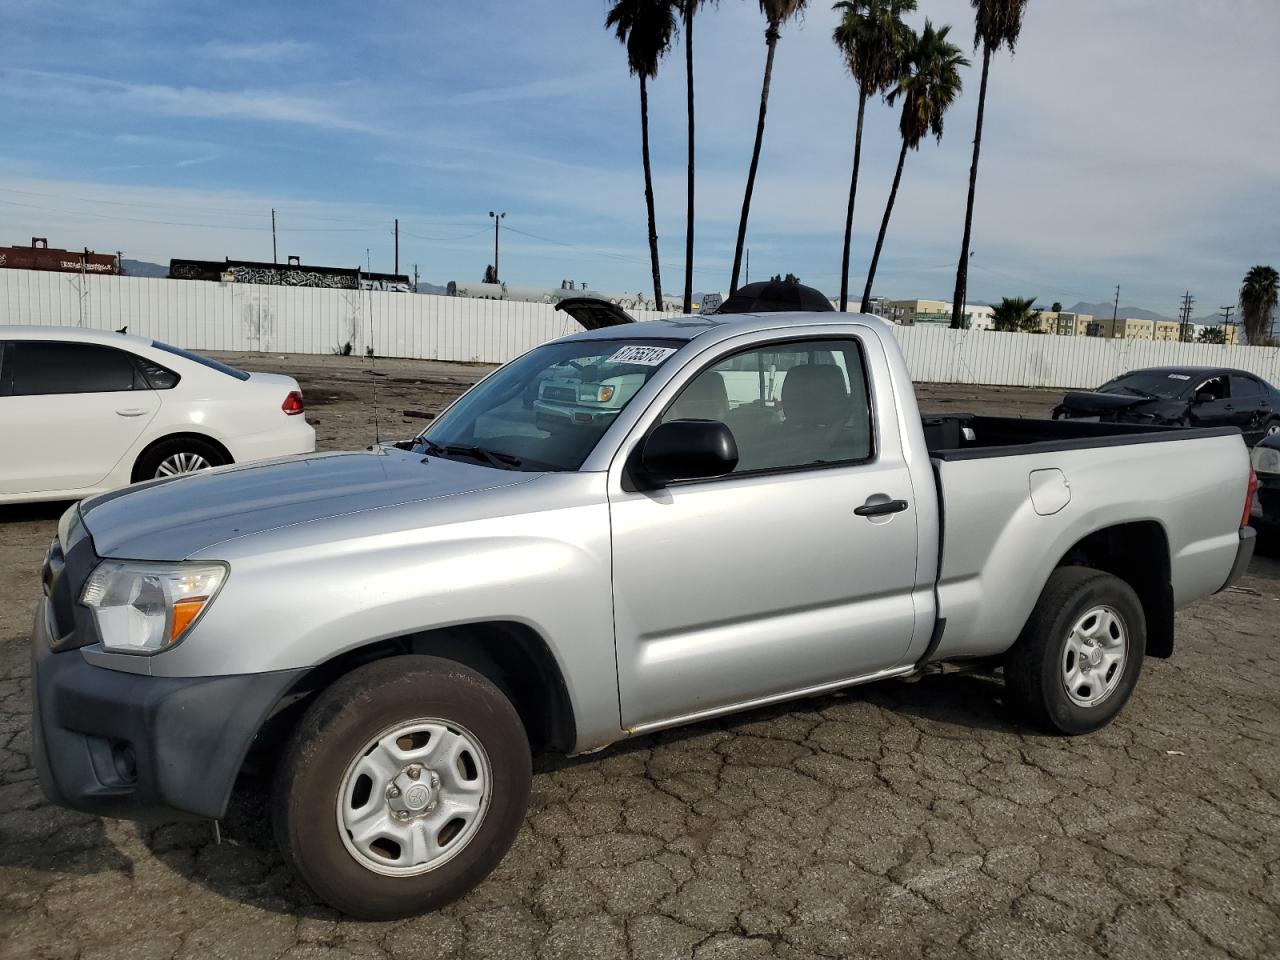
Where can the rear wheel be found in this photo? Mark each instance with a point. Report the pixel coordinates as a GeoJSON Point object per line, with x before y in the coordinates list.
{"type": "Point", "coordinates": [404, 786]}
{"type": "Point", "coordinates": [169, 458]}
{"type": "Point", "coordinates": [1078, 659]}
{"type": "Point", "coordinates": [1272, 428]}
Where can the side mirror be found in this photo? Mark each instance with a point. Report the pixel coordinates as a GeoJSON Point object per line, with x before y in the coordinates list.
{"type": "Point", "coordinates": [688, 450]}
{"type": "Point", "coordinates": [1205, 397]}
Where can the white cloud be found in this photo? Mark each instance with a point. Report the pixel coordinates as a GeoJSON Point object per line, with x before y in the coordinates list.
{"type": "Point", "coordinates": [263, 51]}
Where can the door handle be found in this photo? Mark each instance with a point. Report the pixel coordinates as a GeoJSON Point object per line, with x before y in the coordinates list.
{"type": "Point", "coordinates": [880, 509]}
{"type": "Point", "coordinates": [131, 412]}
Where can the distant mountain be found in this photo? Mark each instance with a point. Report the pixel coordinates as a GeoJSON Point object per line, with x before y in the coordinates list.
{"type": "Point", "coordinates": [1102, 310]}
{"type": "Point", "coordinates": [437, 289]}
{"type": "Point", "coordinates": [144, 268]}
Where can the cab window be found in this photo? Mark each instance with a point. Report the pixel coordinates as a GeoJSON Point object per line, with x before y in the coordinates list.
{"type": "Point", "coordinates": [789, 405]}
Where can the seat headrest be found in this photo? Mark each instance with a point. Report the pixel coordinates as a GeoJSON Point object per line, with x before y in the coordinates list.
{"type": "Point", "coordinates": [815, 394]}
{"type": "Point", "coordinates": [705, 398]}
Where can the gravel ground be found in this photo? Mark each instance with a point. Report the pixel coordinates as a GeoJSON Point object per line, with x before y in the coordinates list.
{"type": "Point", "coordinates": [895, 820]}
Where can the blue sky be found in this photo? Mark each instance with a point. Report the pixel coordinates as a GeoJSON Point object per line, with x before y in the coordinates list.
{"type": "Point", "coordinates": [1129, 141]}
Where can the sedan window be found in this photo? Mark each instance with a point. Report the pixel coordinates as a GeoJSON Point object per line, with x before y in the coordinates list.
{"type": "Point", "coordinates": [1245, 387]}
{"type": "Point", "coordinates": [42, 367]}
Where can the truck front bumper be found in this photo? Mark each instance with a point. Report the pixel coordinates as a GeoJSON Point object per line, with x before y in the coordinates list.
{"type": "Point", "coordinates": [131, 745]}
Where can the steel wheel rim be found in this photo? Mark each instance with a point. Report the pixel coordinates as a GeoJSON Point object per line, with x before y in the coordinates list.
{"type": "Point", "coordinates": [1273, 429]}
{"type": "Point", "coordinates": [414, 797]}
{"type": "Point", "coordinates": [1094, 656]}
{"type": "Point", "coordinates": [185, 462]}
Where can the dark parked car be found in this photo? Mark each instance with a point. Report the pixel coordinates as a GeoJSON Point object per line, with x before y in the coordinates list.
{"type": "Point", "coordinates": [1266, 464]}
{"type": "Point", "coordinates": [1182, 396]}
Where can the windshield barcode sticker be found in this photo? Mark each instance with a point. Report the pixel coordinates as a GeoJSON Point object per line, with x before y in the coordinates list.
{"type": "Point", "coordinates": [645, 356]}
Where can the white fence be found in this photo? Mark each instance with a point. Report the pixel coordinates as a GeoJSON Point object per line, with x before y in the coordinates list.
{"type": "Point", "coordinates": [203, 315]}
{"type": "Point", "coordinates": [244, 316]}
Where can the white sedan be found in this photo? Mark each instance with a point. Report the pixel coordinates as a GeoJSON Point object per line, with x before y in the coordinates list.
{"type": "Point", "coordinates": [85, 411]}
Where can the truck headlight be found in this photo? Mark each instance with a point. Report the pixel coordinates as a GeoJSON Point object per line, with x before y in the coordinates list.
{"type": "Point", "coordinates": [146, 608]}
{"type": "Point", "coordinates": [594, 393]}
{"type": "Point", "coordinates": [1266, 460]}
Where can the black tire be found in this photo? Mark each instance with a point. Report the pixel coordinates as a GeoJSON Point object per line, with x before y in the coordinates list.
{"type": "Point", "coordinates": [336, 729]}
{"type": "Point", "coordinates": [1034, 678]}
{"type": "Point", "coordinates": [1273, 423]}
{"type": "Point", "coordinates": [148, 465]}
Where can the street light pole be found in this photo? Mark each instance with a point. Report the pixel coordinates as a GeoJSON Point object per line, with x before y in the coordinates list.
{"type": "Point", "coordinates": [497, 219]}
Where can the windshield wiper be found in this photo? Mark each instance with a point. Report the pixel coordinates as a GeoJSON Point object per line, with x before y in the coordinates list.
{"type": "Point", "coordinates": [503, 461]}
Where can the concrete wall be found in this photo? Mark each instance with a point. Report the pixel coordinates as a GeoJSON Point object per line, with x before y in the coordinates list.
{"type": "Point", "coordinates": [242, 316]}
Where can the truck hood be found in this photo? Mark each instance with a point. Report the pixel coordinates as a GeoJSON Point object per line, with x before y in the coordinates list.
{"type": "Point", "coordinates": [1088, 403]}
{"type": "Point", "coordinates": [174, 518]}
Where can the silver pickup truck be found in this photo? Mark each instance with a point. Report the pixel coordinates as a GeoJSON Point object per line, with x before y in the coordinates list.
{"type": "Point", "coordinates": [389, 634]}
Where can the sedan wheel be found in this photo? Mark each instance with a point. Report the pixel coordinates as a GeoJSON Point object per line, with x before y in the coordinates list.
{"type": "Point", "coordinates": [185, 462]}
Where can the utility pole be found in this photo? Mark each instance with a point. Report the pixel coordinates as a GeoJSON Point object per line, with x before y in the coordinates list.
{"type": "Point", "coordinates": [1115, 311]}
{"type": "Point", "coordinates": [415, 278]}
{"type": "Point", "coordinates": [1184, 327]}
{"type": "Point", "coordinates": [1227, 323]}
{"type": "Point", "coordinates": [397, 269]}
{"type": "Point", "coordinates": [274, 258]}
{"type": "Point", "coordinates": [748, 277]}
{"type": "Point", "coordinates": [368, 262]}
{"type": "Point", "coordinates": [497, 219]}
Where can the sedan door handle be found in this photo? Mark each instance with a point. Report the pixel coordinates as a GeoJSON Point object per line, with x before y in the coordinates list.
{"type": "Point", "coordinates": [880, 509]}
{"type": "Point", "coordinates": [131, 412]}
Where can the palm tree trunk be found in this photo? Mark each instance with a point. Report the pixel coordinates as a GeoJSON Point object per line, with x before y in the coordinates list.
{"type": "Point", "coordinates": [648, 194]}
{"type": "Point", "coordinates": [962, 271]}
{"type": "Point", "coordinates": [853, 193]}
{"type": "Point", "coordinates": [884, 227]}
{"type": "Point", "coordinates": [688, 233]}
{"type": "Point", "coordinates": [771, 41]}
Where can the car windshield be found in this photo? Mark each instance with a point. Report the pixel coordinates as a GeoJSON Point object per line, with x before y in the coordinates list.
{"type": "Point", "coordinates": [1154, 384]}
{"type": "Point", "coordinates": [547, 409]}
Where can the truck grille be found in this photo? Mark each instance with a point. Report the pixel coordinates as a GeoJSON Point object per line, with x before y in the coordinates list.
{"type": "Point", "coordinates": [559, 393]}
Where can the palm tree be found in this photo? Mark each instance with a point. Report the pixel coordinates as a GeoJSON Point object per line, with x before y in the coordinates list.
{"type": "Point", "coordinates": [999, 22]}
{"type": "Point", "coordinates": [687, 9]}
{"type": "Point", "coordinates": [1258, 303]}
{"type": "Point", "coordinates": [1016, 315]}
{"type": "Point", "coordinates": [874, 41]}
{"type": "Point", "coordinates": [930, 83]}
{"type": "Point", "coordinates": [645, 28]}
{"type": "Point", "coordinates": [776, 13]}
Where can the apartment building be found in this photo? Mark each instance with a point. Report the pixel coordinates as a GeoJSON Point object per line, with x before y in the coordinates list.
{"type": "Point", "coordinates": [910, 312]}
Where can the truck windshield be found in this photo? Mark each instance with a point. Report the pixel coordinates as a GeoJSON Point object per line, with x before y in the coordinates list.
{"type": "Point", "coordinates": [549, 408]}
{"type": "Point", "coordinates": [1153, 384]}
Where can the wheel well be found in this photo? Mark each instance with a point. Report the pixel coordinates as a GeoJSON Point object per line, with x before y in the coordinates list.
{"type": "Point", "coordinates": [203, 438]}
{"type": "Point", "coordinates": [512, 655]}
{"type": "Point", "coordinates": [1137, 553]}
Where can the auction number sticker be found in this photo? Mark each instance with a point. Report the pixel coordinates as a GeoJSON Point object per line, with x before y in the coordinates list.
{"type": "Point", "coordinates": [1179, 376]}
{"type": "Point", "coordinates": [645, 356]}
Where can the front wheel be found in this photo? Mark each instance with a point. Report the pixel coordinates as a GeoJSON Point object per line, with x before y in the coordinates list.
{"type": "Point", "coordinates": [404, 786]}
{"type": "Point", "coordinates": [1077, 661]}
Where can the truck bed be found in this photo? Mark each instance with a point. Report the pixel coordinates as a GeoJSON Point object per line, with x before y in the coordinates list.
{"type": "Point", "coordinates": [1019, 495]}
{"type": "Point", "coordinates": [967, 436]}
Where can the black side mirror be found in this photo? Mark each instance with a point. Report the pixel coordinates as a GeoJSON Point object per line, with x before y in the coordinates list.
{"type": "Point", "coordinates": [1205, 397]}
{"type": "Point", "coordinates": [688, 450]}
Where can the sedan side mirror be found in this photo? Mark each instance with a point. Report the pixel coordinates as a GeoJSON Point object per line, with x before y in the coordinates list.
{"type": "Point", "coordinates": [1205, 397]}
{"type": "Point", "coordinates": [688, 450]}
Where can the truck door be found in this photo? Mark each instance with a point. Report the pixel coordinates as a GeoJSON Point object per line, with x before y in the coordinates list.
{"type": "Point", "coordinates": [793, 572]}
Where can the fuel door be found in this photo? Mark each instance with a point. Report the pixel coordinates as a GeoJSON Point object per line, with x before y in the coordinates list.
{"type": "Point", "coordinates": [1050, 491]}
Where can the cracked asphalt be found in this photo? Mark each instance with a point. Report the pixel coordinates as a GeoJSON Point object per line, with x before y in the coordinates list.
{"type": "Point", "coordinates": [902, 819]}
